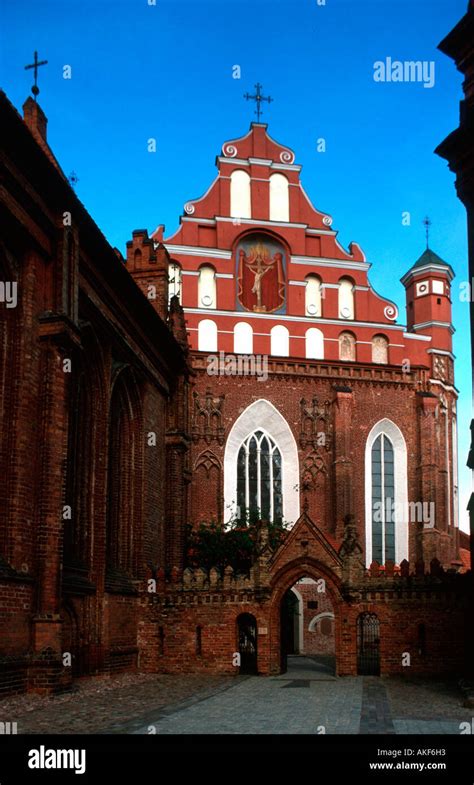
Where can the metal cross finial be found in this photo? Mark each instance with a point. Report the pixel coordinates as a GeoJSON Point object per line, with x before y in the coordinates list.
{"type": "Point", "coordinates": [427, 223]}
{"type": "Point", "coordinates": [35, 65]}
{"type": "Point", "coordinates": [258, 98]}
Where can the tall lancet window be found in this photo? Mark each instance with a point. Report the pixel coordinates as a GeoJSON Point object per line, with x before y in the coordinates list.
{"type": "Point", "coordinates": [279, 198]}
{"type": "Point", "coordinates": [259, 486]}
{"type": "Point", "coordinates": [383, 493]}
{"type": "Point", "coordinates": [175, 275]}
{"type": "Point", "coordinates": [207, 287]}
{"type": "Point", "coordinates": [240, 200]}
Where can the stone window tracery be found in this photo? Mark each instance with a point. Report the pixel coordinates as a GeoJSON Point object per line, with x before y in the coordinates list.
{"type": "Point", "coordinates": [259, 481]}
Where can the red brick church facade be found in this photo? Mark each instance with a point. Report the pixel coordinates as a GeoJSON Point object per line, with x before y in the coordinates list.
{"type": "Point", "coordinates": [256, 370]}
{"type": "Point", "coordinates": [261, 275]}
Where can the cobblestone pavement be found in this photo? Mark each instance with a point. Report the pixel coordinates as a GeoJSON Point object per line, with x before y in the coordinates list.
{"type": "Point", "coordinates": [306, 699]}
{"type": "Point", "coordinates": [97, 703]}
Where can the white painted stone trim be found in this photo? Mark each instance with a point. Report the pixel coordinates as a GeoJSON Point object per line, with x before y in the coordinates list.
{"type": "Point", "coordinates": [414, 337]}
{"type": "Point", "coordinates": [300, 620]}
{"type": "Point", "coordinates": [192, 250]}
{"type": "Point", "coordinates": [260, 222]}
{"type": "Point", "coordinates": [318, 617]}
{"type": "Point", "coordinates": [379, 326]}
{"type": "Point", "coordinates": [326, 261]}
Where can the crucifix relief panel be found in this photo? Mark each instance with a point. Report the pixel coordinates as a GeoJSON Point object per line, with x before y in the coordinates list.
{"type": "Point", "coordinates": [261, 267]}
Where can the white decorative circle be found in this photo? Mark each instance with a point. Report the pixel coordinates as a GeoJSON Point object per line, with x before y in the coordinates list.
{"type": "Point", "coordinates": [206, 300]}
{"type": "Point", "coordinates": [286, 157]}
{"type": "Point", "coordinates": [189, 208]}
{"type": "Point", "coordinates": [311, 309]}
{"type": "Point", "coordinates": [345, 312]}
{"type": "Point", "coordinates": [229, 150]}
{"type": "Point", "coordinates": [390, 312]}
{"type": "Point", "coordinates": [327, 220]}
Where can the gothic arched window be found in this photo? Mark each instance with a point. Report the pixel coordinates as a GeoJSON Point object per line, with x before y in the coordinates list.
{"type": "Point", "coordinates": [313, 296]}
{"type": "Point", "coordinates": [263, 415]}
{"type": "Point", "coordinates": [346, 299]}
{"type": "Point", "coordinates": [347, 346]}
{"type": "Point", "coordinates": [78, 461]}
{"type": "Point", "coordinates": [380, 349]}
{"type": "Point", "coordinates": [175, 275]}
{"type": "Point", "coordinates": [259, 487]}
{"type": "Point", "coordinates": [386, 494]}
{"type": "Point", "coordinates": [279, 198]}
{"type": "Point", "coordinates": [383, 493]}
{"type": "Point", "coordinates": [122, 478]}
{"type": "Point", "coordinates": [207, 287]}
{"type": "Point", "coordinates": [240, 200]}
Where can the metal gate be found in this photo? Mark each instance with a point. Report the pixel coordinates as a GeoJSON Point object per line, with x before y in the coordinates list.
{"type": "Point", "coordinates": [368, 645]}
{"type": "Point", "coordinates": [247, 643]}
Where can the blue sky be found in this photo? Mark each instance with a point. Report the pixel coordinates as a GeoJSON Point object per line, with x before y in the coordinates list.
{"type": "Point", "coordinates": [165, 71]}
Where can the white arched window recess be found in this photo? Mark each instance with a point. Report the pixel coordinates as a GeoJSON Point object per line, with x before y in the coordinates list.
{"type": "Point", "coordinates": [280, 341]}
{"type": "Point", "coordinates": [207, 336]}
{"type": "Point", "coordinates": [240, 200]}
{"type": "Point", "coordinates": [243, 338]}
{"type": "Point", "coordinates": [314, 340]}
{"type": "Point", "coordinates": [207, 287]}
{"type": "Point", "coordinates": [175, 277]}
{"type": "Point", "coordinates": [386, 494]}
{"type": "Point", "coordinates": [313, 296]}
{"type": "Point", "coordinates": [279, 198]}
{"type": "Point", "coordinates": [380, 349]}
{"type": "Point", "coordinates": [346, 299]}
{"type": "Point", "coordinates": [263, 416]}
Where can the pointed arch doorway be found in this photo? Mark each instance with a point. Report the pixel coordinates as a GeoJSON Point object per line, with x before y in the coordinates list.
{"type": "Point", "coordinates": [307, 629]}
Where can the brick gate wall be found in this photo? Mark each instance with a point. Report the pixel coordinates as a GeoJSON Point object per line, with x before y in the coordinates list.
{"type": "Point", "coordinates": [171, 615]}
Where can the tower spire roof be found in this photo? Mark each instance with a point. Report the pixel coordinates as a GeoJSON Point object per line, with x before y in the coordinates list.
{"type": "Point", "coordinates": [429, 257]}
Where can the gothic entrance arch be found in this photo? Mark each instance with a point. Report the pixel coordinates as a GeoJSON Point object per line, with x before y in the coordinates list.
{"type": "Point", "coordinates": [305, 619]}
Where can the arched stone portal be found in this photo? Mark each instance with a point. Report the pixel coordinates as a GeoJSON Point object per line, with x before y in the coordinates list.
{"type": "Point", "coordinates": [282, 623]}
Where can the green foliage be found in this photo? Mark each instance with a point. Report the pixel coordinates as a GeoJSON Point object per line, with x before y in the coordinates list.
{"type": "Point", "coordinates": [236, 544]}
